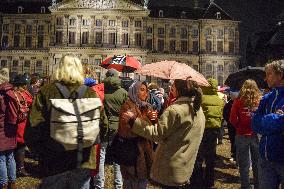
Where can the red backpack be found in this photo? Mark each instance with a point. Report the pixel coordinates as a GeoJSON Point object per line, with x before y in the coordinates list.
{"type": "Point", "coordinates": [22, 106]}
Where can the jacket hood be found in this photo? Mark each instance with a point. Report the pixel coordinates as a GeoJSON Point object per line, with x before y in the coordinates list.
{"type": "Point", "coordinates": [212, 89]}
{"type": "Point", "coordinates": [6, 86]}
{"type": "Point", "coordinates": [112, 83]}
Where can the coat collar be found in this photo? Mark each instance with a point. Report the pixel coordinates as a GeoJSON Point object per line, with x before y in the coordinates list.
{"type": "Point", "coordinates": [184, 99]}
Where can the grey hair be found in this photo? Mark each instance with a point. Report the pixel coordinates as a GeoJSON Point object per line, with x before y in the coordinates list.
{"type": "Point", "coordinates": [277, 66]}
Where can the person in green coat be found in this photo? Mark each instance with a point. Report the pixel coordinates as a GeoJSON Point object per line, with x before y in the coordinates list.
{"type": "Point", "coordinates": [58, 165]}
{"type": "Point", "coordinates": [212, 107]}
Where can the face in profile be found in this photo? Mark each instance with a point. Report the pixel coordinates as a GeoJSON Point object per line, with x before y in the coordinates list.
{"type": "Point", "coordinates": [143, 92]}
{"type": "Point", "coordinates": [272, 78]}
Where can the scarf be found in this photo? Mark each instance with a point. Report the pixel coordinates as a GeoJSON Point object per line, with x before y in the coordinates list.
{"type": "Point", "coordinates": [133, 94]}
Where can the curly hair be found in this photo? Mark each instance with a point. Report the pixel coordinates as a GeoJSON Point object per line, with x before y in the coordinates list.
{"type": "Point", "coordinates": [250, 93]}
{"type": "Point", "coordinates": [190, 88]}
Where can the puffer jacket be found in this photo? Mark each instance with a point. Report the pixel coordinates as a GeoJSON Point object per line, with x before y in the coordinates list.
{"type": "Point", "coordinates": [8, 118]}
{"type": "Point", "coordinates": [270, 125]}
{"type": "Point", "coordinates": [212, 105]}
{"type": "Point", "coordinates": [37, 134]}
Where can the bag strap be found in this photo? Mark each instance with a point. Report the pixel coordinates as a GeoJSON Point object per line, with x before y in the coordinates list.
{"type": "Point", "coordinates": [80, 134]}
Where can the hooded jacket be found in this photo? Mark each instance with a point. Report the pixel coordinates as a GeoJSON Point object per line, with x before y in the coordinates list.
{"type": "Point", "coordinates": [212, 105]}
{"type": "Point", "coordinates": [270, 125]}
{"type": "Point", "coordinates": [114, 98]}
{"type": "Point", "coordinates": [8, 118]}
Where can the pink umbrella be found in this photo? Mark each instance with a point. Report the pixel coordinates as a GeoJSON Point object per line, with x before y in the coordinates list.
{"type": "Point", "coordinates": [172, 70]}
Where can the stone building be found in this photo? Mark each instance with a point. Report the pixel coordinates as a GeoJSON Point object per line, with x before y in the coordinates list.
{"type": "Point", "coordinates": [35, 34]}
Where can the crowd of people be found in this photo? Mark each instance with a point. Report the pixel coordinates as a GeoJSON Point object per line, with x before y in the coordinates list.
{"type": "Point", "coordinates": [73, 125]}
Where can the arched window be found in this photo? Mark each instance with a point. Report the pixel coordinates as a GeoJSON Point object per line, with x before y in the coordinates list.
{"type": "Point", "coordinates": [161, 13]}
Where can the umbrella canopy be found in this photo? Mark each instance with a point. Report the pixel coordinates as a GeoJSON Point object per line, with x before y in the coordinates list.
{"type": "Point", "coordinates": [236, 80]}
{"type": "Point", "coordinates": [121, 63]}
{"type": "Point", "coordinates": [172, 70]}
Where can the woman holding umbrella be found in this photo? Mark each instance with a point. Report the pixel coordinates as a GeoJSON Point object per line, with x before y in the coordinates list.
{"type": "Point", "coordinates": [178, 132]}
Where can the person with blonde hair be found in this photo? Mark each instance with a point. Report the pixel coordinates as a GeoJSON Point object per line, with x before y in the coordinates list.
{"type": "Point", "coordinates": [63, 167]}
{"type": "Point", "coordinates": [246, 140]}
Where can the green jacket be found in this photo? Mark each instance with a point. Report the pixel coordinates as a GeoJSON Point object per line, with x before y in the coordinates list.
{"type": "Point", "coordinates": [212, 105]}
{"type": "Point", "coordinates": [114, 98]}
{"type": "Point", "coordinates": [37, 133]}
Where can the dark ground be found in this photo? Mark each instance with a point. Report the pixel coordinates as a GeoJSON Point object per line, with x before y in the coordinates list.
{"type": "Point", "coordinates": [227, 176]}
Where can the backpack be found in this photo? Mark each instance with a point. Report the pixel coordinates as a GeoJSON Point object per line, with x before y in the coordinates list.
{"type": "Point", "coordinates": [74, 121]}
{"type": "Point", "coordinates": [22, 106]}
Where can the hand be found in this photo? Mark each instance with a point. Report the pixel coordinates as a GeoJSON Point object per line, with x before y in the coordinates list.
{"type": "Point", "coordinates": [127, 115]}
{"type": "Point", "coordinates": [279, 111]}
{"type": "Point", "coordinates": [152, 115]}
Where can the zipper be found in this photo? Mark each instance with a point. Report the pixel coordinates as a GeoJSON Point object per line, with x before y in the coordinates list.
{"type": "Point", "coordinates": [265, 148]}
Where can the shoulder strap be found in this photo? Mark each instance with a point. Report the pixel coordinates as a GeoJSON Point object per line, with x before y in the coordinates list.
{"type": "Point", "coordinates": [81, 91]}
{"type": "Point", "coordinates": [63, 90]}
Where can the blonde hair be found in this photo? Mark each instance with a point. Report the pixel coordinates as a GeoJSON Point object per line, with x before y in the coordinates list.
{"type": "Point", "coordinates": [250, 93]}
{"type": "Point", "coordinates": [70, 70]}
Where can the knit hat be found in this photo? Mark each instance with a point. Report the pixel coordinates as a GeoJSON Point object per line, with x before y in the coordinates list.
{"type": "Point", "coordinates": [111, 73]}
{"type": "Point", "coordinates": [4, 75]}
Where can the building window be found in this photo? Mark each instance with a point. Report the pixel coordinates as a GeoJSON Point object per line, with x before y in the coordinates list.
{"type": "Point", "coordinates": [231, 33]}
{"type": "Point", "coordinates": [41, 29]}
{"type": "Point", "coordinates": [86, 22]}
{"type": "Point", "coordinates": [138, 24]}
{"type": "Point", "coordinates": [149, 30]}
{"type": "Point", "coordinates": [15, 63]}
{"type": "Point", "coordinates": [138, 39]}
{"type": "Point", "coordinates": [172, 46]}
{"type": "Point", "coordinates": [20, 9]}
{"type": "Point", "coordinates": [39, 64]}
{"type": "Point", "coordinates": [59, 21]}
{"type": "Point", "coordinates": [160, 45]}
{"type": "Point", "coordinates": [98, 62]}
{"type": "Point", "coordinates": [231, 47]}
{"type": "Point", "coordinates": [220, 34]}
{"type": "Point", "coordinates": [220, 80]}
{"type": "Point", "coordinates": [85, 38]}
{"type": "Point", "coordinates": [42, 9]}
{"type": "Point", "coordinates": [29, 29]}
{"type": "Point", "coordinates": [27, 63]}
{"type": "Point", "coordinates": [183, 33]}
{"type": "Point", "coordinates": [40, 41]}
{"type": "Point", "coordinates": [195, 33]}
{"type": "Point", "coordinates": [59, 37]}
{"type": "Point", "coordinates": [111, 23]}
{"type": "Point", "coordinates": [208, 67]}
{"type": "Point", "coordinates": [4, 63]}
{"type": "Point", "coordinates": [124, 23]}
{"type": "Point", "coordinates": [219, 46]}
{"type": "Point", "coordinates": [196, 67]}
{"type": "Point", "coordinates": [17, 28]}
{"type": "Point", "coordinates": [220, 68]}
{"type": "Point", "coordinates": [208, 46]}
{"type": "Point", "coordinates": [111, 38]}
{"type": "Point", "coordinates": [16, 41]}
{"type": "Point", "coordinates": [173, 32]}
{"type": "Point", "coordinates": [99, 37]}
{"type": "Point", "coordinates": [218, 15]}
{"type": "Point", "coordinates": [125, 39]}
{"type": "Point", "coordinates": [72, 37]}
{"type": "Point", "coordinates": [72, 22]}
{"type": "Point", "coordinates": [195, 46]}
{"type": "Point", "coordinates": [6, 28]}
{"type": "Point", "coordinates": [5, 41]}
{"type": "Point", "coordinates": [183, 46]}
{"type": "Point", "coordinates": [183, 14]}
{"type": "Point", "coordinates": [28, 41]}
{"type": "Point", "coordinates": [208, 32]}
{"type": "Point", "coordinates": [149, 44]}
{"type": "Point", "coordinates": [161, 13]}
{"type": "Point", "coordinates": [161, 31]}
{"type": "Point", "coordinates": [99, 23]}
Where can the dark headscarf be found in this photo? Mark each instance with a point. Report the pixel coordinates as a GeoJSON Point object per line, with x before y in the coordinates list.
{"type": "Point", "coordinates": [133, 94]}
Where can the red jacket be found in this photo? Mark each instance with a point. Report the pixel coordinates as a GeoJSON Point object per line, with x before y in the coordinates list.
{"type": "Point", "coordinates": [8, 118]}
{"type": "Point", "coordinates": [22, 125]}
{"type": "Point", "coordinates": [240, 118]}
